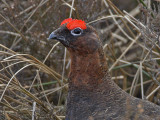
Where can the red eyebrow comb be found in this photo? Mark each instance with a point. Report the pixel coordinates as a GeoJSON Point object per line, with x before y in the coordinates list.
{"type": "Point", "coordinates": [74, 23]}
{"type": "Point", "coordinates": [66, 21]}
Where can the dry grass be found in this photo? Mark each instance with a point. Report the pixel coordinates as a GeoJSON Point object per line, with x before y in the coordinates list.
{"type": "Point", "coordinates": [33, 71]}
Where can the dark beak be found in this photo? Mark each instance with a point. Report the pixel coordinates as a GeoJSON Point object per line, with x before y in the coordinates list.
{"type": "Point", "coordinates": [62, 39]}
{"type": "Point", "coordinates": [57, 37]}
{"type": "Point", "coordinates": [52, 36]}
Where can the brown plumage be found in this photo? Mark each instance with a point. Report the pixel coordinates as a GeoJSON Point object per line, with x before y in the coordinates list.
{"type": "Point", "coordinates": [92, 94]}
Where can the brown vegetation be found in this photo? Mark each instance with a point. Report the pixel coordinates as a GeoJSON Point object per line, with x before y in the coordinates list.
{"type": "Point", "coordinates": [33, 71]}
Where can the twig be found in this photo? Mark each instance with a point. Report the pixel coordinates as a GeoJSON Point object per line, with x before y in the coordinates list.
{"type": "Point", "coordinates": [33, 111]}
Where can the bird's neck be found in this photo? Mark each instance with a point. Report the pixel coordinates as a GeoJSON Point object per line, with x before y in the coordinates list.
{"type": "Point", "coordinates": [87, 71]}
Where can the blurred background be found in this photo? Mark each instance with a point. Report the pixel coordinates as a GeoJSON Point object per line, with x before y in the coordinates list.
{"type": "Point", "coordinates": [33, 70]}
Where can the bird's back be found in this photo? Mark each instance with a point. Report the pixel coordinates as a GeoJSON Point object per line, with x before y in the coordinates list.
{"type": "Point", "coordinates": [109, 102]}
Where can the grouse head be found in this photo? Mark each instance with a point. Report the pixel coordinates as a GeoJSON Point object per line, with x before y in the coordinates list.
{"type": "Point", "coordinates": [77, 36]}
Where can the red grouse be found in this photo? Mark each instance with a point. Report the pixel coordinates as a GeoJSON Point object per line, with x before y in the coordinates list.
{"type": "Point", "coordinates": [92, 94]}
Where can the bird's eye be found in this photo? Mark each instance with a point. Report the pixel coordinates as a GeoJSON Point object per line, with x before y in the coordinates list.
{"type": "Point", "coordinates": [76, 31]}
